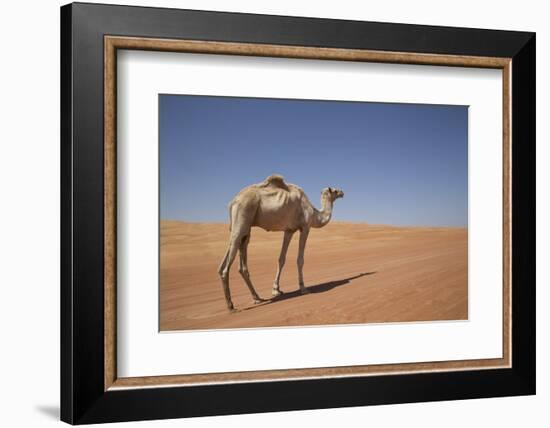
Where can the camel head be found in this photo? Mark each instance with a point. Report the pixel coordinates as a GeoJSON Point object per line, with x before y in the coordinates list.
{"type": "Point", "coordinates": [332, 193]}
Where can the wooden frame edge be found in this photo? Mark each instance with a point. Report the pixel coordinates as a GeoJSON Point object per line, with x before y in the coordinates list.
{"type": "Point", "coordinates": [301, 52]}
{"type": "Point", "coordinates": [112, 43]}
{"type": "Point", "coordinates": [298, 374]}
{"type": "Point", "coordinates": [110, 214]}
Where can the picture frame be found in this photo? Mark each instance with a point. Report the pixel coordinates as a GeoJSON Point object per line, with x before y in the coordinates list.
{"type": "Point", "coordinates": [91, 35]}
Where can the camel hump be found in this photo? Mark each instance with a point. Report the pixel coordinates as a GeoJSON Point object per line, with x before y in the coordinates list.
{"type": "Point", "coordinates": [275, 180]}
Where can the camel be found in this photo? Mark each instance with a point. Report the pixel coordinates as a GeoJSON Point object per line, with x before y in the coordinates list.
{"type": "Point", "coordinates": [272, 205]}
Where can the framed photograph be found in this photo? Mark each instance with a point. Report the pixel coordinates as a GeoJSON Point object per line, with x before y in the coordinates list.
{"type": "Point", "coordinates": [265, 213]}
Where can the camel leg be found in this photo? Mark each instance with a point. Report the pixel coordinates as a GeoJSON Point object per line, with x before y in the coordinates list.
{"type": "Point", "coordinates": [282, 257]}
{"type": "Point", "coordinates": [226, 265]}
{"type": "Point", "coordinates": [243, 269]}
{"type": "Point", "coordinates": [301, 249]}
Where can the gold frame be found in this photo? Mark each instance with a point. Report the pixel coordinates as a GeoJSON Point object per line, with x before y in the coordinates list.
{"type": "Point", "coordinates": [112, 43]}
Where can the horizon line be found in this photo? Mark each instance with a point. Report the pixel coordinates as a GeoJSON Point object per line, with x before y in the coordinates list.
{"type": "Point", "coordinates": [364, 222]}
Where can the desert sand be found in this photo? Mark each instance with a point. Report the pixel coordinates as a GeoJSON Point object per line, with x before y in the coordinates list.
{"type": "Point", "coordinates": [357, 273]}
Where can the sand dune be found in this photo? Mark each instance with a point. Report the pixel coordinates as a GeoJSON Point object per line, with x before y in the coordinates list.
{"type": "Point", "coordinates": [357, 273]}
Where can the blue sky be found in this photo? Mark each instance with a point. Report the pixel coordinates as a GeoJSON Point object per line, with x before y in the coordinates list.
{"type": "Point", "coordinates": [400, 164]}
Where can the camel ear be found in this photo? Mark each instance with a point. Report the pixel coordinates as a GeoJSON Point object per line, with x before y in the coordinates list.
{"type": "Point", "coordinates": [330, 189]}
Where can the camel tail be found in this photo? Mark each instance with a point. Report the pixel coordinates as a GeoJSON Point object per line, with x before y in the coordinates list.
{"type": "Point", "coordinates": [230, 216]}
{"type": "Point", "coordinates": [222, 265]}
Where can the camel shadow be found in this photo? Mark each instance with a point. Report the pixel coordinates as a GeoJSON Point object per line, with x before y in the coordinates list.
{"type": "Point", "coordinates": [320, 288]}
{"type": "Point", "coordinates": [313, 289]}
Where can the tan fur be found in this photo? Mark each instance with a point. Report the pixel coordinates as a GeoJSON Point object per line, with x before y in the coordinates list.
{"type": "Point", "coordinates": [272, 205]}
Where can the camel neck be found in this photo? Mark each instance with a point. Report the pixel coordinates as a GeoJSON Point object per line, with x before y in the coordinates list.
{"type": "Point", "coordinates": [323, 216]}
